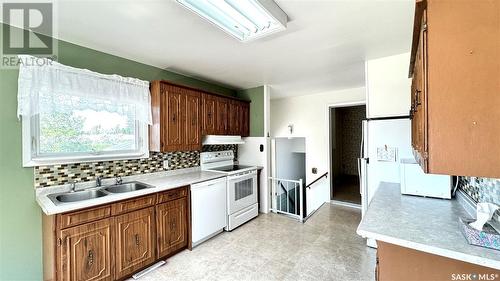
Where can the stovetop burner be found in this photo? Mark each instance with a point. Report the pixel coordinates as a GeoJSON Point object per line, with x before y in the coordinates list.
{"type": "Point", "coordinates": [231, 168]}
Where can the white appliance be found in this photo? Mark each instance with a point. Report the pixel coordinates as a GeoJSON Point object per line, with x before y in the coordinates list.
{"type": "Point", "coordinates": [241, 187]}
{"type": "Point", "coordinates": [385, 142]}
{"type": "Point", "coordinates": [208, 209]}
{"type": "Point", "coordinates": [415, 182]}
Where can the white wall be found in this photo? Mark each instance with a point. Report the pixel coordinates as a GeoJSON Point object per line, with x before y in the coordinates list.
{"type": "Point", "coordinates": [388, 86]}
{"type": "Point", "coordinates": [309, 116]}
{"type": "Point", "coordinates": [290, 162]}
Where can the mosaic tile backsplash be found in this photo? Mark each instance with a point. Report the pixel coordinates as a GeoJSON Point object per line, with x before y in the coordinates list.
{"type": "Point", "coordinates": [81, 172]}
{"type": "Point", "coordinates": [481, 189]}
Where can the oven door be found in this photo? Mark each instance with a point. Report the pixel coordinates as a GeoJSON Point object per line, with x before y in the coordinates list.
{"type": "Point", "coordinates": [242, 191]}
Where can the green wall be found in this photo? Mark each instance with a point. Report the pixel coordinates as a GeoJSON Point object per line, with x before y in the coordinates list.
{"type": "Point", "coordinates": [20, 216]}
{"type": "Point", "coordinates": [256, 95]}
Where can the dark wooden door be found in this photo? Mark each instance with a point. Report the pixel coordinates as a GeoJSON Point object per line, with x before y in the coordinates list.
{"type": "Point", "coordinates": [209, 111]}
{"type": "Point", "coordinates": [234, 117]}
{"type": "Point", "coordinates": [222, 115]}
{"type": "Point", "coordinates": [85, 252]}
{"type": "Point", "coordinates": [245, 119]}
{"type": "Point", "coordinates": [171, 219]}
{"type": "Point", "coordinates": [135, 248]}
{"type": "Point", "coordinates": [192, 118]}
{"type": "Point", "coordinates": [173, 137]}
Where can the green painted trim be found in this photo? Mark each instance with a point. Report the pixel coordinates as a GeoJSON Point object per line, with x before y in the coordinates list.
{"type": "Point", "coordinates": [256, 96]}
{"type": "Point", "coordinates": [20, 216]}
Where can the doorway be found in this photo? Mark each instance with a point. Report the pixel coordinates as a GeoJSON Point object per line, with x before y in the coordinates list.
{"type": "Point", "coordinates": [345, 141]}
{"type": "Point", "coordinates": [289, 175]}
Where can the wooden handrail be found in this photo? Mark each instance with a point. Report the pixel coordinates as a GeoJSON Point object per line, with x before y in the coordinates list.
{"type": "Point", "coordinates": [322, 176]}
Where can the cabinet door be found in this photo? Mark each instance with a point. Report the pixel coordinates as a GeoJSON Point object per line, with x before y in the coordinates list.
{"type": "Point", "coordinates": [193, 124]}
{"type": "Point", "coordinates": [134, 241]}
{"type": "Point", "coordinates": [419, 95]}
{"type": "Point", "coordinates": [173, 102]}
{"type": "Point", "coordinates": [171, 220]}
{"type": "Point", "coordinates": [85, 252]}
{"type": "Point", "coordinates": [209, 109]}
{"type": "Point", "coordinates": [245, 119]}
{"type": "Point", "coordinates": [222, 115]}
{"type": "Point", "coordinates": [234, 117]}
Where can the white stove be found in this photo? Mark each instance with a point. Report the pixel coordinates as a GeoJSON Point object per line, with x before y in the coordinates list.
{"type": "Point", "coordinates": [241, 186]}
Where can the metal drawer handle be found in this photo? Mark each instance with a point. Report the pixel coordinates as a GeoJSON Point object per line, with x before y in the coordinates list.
{"type": "Point", "coordinates": [137, 239]}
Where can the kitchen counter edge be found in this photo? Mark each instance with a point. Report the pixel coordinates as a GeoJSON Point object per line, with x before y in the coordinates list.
{"type": "Point", "coordinates": [395, 218]}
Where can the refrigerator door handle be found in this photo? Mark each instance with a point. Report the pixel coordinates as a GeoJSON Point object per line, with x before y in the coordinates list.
{"type": "Point", "coordinates": [359, 175]}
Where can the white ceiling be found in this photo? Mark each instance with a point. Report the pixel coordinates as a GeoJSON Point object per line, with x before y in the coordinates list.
{"type": "Point", "coordinates": [323, 48]}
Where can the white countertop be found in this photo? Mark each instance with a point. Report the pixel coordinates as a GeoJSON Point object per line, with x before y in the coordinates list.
{"type": "Point", "coordinates": [161, 181]}
{"type": "Point", "coordinates": [424, 224]}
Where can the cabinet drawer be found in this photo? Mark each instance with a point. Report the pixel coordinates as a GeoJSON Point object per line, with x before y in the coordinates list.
{"type": "Point", "coordinates": [133, 204]}
{"type": "Point", "coordinates": [80, 217]}
{"type": "Point", "coordinates": [172, 194]}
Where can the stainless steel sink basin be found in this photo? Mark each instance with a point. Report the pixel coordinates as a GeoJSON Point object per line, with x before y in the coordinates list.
{"type": "Point", "coordinates": [126, 187]}
{"type": "Point", "coordinates": [76, 196]}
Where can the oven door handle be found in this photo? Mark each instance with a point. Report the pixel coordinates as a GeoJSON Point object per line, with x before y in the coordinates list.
{"type": "Point", "coordinates": [245, 176]}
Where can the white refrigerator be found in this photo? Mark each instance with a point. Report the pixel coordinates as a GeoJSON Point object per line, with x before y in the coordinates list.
{"type": "Point", "coordinates": [385, 142]}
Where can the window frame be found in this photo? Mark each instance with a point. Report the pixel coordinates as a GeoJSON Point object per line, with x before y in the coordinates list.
{"type": "Point", "coordinates": [31, 140]}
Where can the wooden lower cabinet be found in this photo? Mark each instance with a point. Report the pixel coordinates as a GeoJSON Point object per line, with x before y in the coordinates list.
{"type": "Point", "coordinates": [134, 241]}
{"type": "Point", "coordinates": [395, 263]}
{"type": "Point", "coordinates": [172, 233]}
{"type": "Point", "coordinates": [86, 252]}
{"type": "Point", "coordinates": [113, 241]}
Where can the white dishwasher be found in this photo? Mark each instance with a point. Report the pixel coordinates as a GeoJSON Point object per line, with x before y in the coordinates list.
{"type": "Point", "coordinates": [208, 209]}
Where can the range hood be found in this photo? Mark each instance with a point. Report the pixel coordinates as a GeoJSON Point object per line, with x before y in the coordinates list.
{"type": "Point", "coordinates": [217, 139]}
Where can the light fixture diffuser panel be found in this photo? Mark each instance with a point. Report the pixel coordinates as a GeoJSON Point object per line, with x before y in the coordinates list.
{"type": "Point", "coordinates": [246, 20]}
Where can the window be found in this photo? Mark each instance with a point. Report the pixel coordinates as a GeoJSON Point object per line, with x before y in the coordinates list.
{"type": "Point", "coordinates": [67, 125]}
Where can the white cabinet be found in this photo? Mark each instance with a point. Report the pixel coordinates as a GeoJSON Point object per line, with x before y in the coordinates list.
{"type": "Point", "coordinates": [388, 86]}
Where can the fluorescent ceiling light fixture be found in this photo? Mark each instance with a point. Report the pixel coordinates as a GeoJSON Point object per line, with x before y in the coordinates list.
{"type": "Point", "coordinates": [245, 20]}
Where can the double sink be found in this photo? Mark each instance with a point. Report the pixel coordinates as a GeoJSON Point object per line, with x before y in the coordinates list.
{"type": "Point", "coordinates": [97, 192]}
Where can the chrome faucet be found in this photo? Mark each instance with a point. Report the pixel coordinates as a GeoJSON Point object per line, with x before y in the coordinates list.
{"type": "Point", "coordinates": [98, 181]}
{"type": "Point", "coordinates": [73, 186]}
{"type": "Point", "coordinates": [118, 180]}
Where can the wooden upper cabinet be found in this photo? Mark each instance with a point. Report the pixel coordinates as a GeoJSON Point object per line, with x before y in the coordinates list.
{"type": "Point", "coordinates": [222, 116]}
{"type": "Point", "coordinates": [234, 117]}
{"type": "Point", "coordinates": [245, 119]}
{"type": "Point", "coordinates": [455, 68]}
{"type": "Point", "coordinates": [174, 105]}
{"type": "Point", "coordinates": [172, 227]}
{"type": "Point", "coordinates": [208, 113]}
{"type": "Point", "coordinates": [193, 121]}
{"type": "Point", "coordinates": [135, 234]}
{"type": "Point", "coordinates": [182, 115]}
{"type": "Point", "coordinates": [176, 118]}
{"type": "Point", "coordinates": [86, 252]}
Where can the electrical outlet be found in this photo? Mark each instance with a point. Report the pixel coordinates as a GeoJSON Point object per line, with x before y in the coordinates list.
{"type": "Point", "coordinates": [165, 164]}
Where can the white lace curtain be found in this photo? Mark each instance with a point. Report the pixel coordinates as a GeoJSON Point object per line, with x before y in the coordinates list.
{"type": "Point", "coordinates": [58, 80]}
